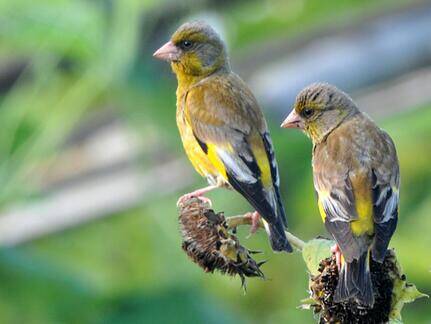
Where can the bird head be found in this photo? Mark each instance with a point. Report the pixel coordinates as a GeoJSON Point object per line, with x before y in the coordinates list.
{"type": "Point", "coordinates": [195, 49]}
{"type": "Point", "coordinates": [318, 109]}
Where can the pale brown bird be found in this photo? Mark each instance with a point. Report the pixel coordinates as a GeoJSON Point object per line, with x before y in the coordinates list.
{"type": "Point", "coordinates": [222, 128]}
{"type": "Point", "coordinates": [356, 177]}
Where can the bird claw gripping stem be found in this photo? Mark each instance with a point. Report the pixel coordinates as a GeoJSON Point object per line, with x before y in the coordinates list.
{"type": "Point", "coordinates": [209, 243]}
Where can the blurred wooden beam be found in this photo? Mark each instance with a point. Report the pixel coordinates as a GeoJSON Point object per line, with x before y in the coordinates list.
{"type": "Point", "coordinates": [105, 167]}
{"type": "Point", "coordinates": [409, 91]}
{"type": "Point", "coordinates": [92, 199]}
{"type": "Point", "coordinates": [373, 52]}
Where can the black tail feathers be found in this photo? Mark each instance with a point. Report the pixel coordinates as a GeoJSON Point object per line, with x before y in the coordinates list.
{"type": "Point", "coordinates": [277, 237]}
{"type": "Point", "coordinates": [355, 282]}
{"type": "Point", "coordinates": [269, 206]}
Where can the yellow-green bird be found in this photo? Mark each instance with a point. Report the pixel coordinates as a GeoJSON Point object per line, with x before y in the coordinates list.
{"type": "Point", "coordinates": [356, 177]}
{"type": "Point", "coordinates": [222, 128]}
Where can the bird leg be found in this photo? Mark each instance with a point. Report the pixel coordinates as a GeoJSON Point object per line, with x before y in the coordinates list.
{"type": "Point", "coordinates": [255, 221]}
{"type": "Point", "coordinates": [197, 194]}
{"type": "Point", "coordinates": [336, 250]}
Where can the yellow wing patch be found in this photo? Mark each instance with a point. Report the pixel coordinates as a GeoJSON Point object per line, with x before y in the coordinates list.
{"type": "Point", "coordinates": [321, 210]}
{"type": "Point", "coordinates": [364, 208]}
{"type": "Point", "coordinates": [265, 170]}
{"type": "Point", "coordinates": [323, 194]}
{"type": "Point", "coordinates": [259, 154]}
{"type": "Point", "coordinates": [261, 157]}
{"type": "Point", "coordinates": [215, 160]}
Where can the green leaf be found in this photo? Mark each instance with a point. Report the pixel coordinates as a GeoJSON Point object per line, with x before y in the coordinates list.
{"type": "Point", "coordinates": [402, 293]}
{"type": "Point", "coordinates": [395, 321]}
{"type": "Point", "coordinates": [315, 251]}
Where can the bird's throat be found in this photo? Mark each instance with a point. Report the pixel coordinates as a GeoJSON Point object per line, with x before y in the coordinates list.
{"type": "Point", "coordinates": [185, 81]}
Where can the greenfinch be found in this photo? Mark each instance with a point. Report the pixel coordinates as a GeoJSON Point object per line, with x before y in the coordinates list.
{"type": "Point", "coordinates": [356, 177]}
{"type": "Point", "coordinates": [223, 130]}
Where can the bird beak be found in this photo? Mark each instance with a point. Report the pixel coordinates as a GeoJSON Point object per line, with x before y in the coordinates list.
{"type": "Point", "coordinates": [293, 121]}
{"type": "Point", "coordinates": [168, 52]}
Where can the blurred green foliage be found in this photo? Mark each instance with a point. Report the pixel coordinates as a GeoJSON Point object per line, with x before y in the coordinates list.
{"type": "Point", "coordinates": [82, 55]}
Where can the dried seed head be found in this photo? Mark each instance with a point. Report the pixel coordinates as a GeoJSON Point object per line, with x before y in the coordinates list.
{"type": "Point", "coordinates": [208, 242]}
{"type": "Point", "coordinates": [322, 288]}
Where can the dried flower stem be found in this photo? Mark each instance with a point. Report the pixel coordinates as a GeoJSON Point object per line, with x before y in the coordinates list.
{"type": "Point", "coordinates": [236, 221]}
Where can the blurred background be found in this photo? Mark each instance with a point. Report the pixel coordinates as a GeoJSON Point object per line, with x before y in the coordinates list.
{"type": "Point", "coordinates": [92, 165]}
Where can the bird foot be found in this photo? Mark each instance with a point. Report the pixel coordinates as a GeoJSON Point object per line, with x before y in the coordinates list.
{"type": "Point", "coordinates": [193, 194]}
{"type": "Point", "coordinates": [255, 222]}
{"type": "Point", "coordinates": [197, 194]}
{"type": "Point", "coordinates": [335, 249]}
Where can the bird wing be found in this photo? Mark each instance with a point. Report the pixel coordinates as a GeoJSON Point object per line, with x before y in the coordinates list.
{"type": "Point", "coordinates": [385, 188]}
{"type": "Point", "coordinates": [232, 131]}
{"type": "Point", "coordinates": [337, 205]}
{"type": "Point", "coordinates": [358, 193]}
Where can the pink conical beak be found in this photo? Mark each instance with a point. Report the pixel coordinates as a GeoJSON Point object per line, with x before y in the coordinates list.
{"type": "Point", "coordinates": [168, 52]}
{"type": "Point", "coordinates": [293, 121]}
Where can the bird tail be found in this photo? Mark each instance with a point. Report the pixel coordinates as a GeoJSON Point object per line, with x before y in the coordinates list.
{"type": "Point", "coordinates": [273, 208]}
{"type": "Point", "coordinates": [355, 281]}
{"type": "Point", "coordinates": [268, 204]}
{"type": "Point", "coordinates": [277, 236]}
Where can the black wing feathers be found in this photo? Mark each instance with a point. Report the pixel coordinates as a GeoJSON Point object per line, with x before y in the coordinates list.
{"type": "Point", "coordinates": [384, 225]}
{"type": "Point", "coordinates": [351, 245]}
{"type": "Point", "coordinates": [274, 173]}
{"type": "Point", "coordinates": [253, 192]}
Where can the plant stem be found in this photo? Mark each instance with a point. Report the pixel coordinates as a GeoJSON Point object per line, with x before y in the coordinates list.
{"type": "Point", "coordinates": [236, 221]}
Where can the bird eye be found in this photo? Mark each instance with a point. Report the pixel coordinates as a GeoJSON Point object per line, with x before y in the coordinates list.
{"type": "Point", "coordinates": [307, 112]}
{"type": "Point", "coordinates": [186, 44]}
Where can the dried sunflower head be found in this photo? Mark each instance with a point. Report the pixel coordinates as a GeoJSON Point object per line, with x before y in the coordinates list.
{"type": "Point", "coordinates": [391, 292]}
{"type": "Point", "coordinates": [323, 287]}
{"type": "Point", "coordinates": [209, 243]}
